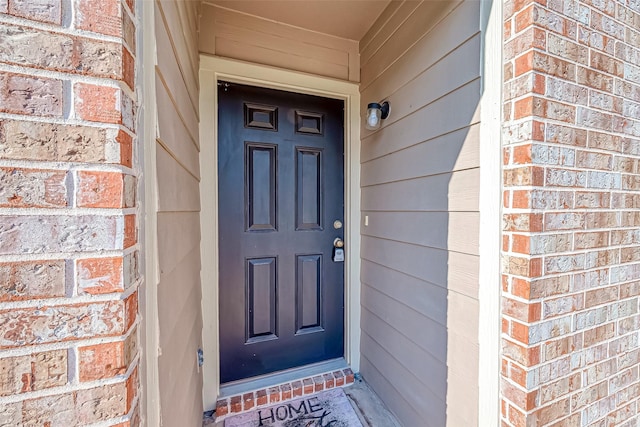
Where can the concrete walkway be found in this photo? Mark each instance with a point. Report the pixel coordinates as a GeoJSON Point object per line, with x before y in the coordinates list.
{"type": "Point", "coordinates": [367, 405]}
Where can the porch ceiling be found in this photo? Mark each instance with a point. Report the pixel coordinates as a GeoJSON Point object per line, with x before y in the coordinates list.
{"type": "Point", "coordinates": [348, 19]}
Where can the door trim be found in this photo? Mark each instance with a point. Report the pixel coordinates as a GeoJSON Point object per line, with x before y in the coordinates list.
{"type": "Point", "coordinates": [212, 69]}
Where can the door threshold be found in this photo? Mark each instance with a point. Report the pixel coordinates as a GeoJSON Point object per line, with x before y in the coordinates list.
{"type": "Point", "coordinates": [281, 377]}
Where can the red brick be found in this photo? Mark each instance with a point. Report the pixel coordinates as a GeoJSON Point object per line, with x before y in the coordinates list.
{"type": "Point", "coordinates": [516, 417]}
{"type": "Point", "coordinates": [601, 296]}
{"type": "Point", "coordinates": [559, 388]}
{"type": "Point", "coordinates": [339, 376]}
{"type": "Point", "coordinates": [222, 407]}
{"type": "Point", "coordinates": [274, 394]}
{"type": "Point", "coordinates": [561, 347]}
{"type": "Point", "coordinates": [49, 11]}
{"type": "Point", "coordinates": [524, 176]}
{"type": "Point", "coordinates": [101, 403]}
{"type": "Point", "coordinates": [523, 222]}
{"type": "Point", "coordinates": [100, 275]}
{"type": "Point", "coordinates": [296, 388]}
{"type": "Point", "coordinates": [524, 19]}
{"type": "Point", "coordinates": [554, 22]}
{"type": "Point", "coordinates": [130, 231]}
{"type": "Point", "coordinates": [520, 243]}
{"type": "Point", "coordinates": [591, 200]}
{"type": "Point", "coordinates": [596, 40]}
{"type": "Point", "coordinates": [56, 410]}
{"type": "Point", "coordinates": [262, 398]}
{"type": "Point", "coordinates": [97, 103]}
{"type": "Point", "coordinates": [525, 312]}
{"type": "Point", "coordinates": [133, 386]}
{"type": "Point", "coordinates": [99, 16]}
{"type": "Point", "coordinates": [508, 71]}
{"type": "Point", "coordinates": [101, 361]}
{"type": "Point", "coordinates": [567, 50]}
{"type": "Point", "coordinates": [349, 377]}
{"type": "Point", "coordinates": [539, 107]}
{"type": "Point", "coordinates": [523, 266]}
{"type": "Point", "coordinates": [601, 220]}
{"type": "Point", "coordinates": [590, 240]}
{"type": "Point", "coordinates": [129, 33]}
{"type": "Point", "coordinates": [23, 140]}
{"type": "Point", "coordinates": [550, 413]}
{"type": "Point", "coordinates": [527, 40]}
{"type": "Point", "coordinates": [607, 64]}
{"type": "Point", "coordinates": [307, 386]}
{"type": "Point", "coordinates": [37, 371]}
{"type": "Point", "coordinates": [550, 65]}
{"type": "Point", "coordinates": [599, 334]}
{"type": "Point", "coordinates": [30, 47]}
{"type": "Point", "coordinates": [516, 374]}
{"type": "Point", "coordinates": [31, 188]}
{"type": "Point", "coordinates": [630, 254]}
{"type": "Point", "coordinates": [608, 26]}
{"type": "Point", "coordinates": [50, 233]}
{"type": "Point", "coordinates": [524, 355]}
{"type": "Point", "coordinates": [248, 401]}
{"type": "Point", "coordinates": [128, 68]}
{"type": "Point", "coordinates": [131, 309]}
{"type": "Point", "coordinates": [126, 148]}
{"type": "Point", "coordinates": [318, 383]}
{"type": "Point", "coordinates": [564, 221]}
{"type": "Point", "coordinates": [28, 326]}
{"type": "Point", "coordinates": [329, 381]}
{"type": "Point", "coordinates": [519, 332]}
{"type": "Point", "coordinates": [100, 189]}
{"type": "Point", "coordinates": [566, 135]}
{"type": "Point", "coordinates": [594, 79]}
{"type": "Point", "coordinates": [286, 391]}
{"type": "Point", "coordinates": [236, 404]}
{"type": "Point", "coordinates": [523, 64]}
{"type": "Point", "coordinates": [33, 96]}
{"type": "Point", "coordinates": [518, 396]}
{"type": "Point", "coordinates": [32, 280]}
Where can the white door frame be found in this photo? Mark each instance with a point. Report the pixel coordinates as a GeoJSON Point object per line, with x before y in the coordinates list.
{"type": "Point", "coordinates": [213, 69]}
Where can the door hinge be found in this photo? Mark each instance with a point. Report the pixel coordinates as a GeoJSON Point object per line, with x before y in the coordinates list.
{"type": "Point", "coordinates": [200, 355]}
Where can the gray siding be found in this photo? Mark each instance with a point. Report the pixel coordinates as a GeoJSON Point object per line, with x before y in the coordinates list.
{"type": "Point", "coordinates": [249, 38]}
{"type": "Point", "coordinates": [420, 185]}
{"type": "Point", "coordinates": [177, 156]}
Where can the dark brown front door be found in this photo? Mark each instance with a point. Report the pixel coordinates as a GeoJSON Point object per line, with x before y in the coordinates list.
{"type": "Point", "coordinates": [281, 188]}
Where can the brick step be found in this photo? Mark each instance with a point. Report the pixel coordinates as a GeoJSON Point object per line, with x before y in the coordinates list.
{"type": "Point", "coordinates": [281, 393]}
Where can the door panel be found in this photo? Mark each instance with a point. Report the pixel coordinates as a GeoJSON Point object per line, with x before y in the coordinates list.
{"type": "Point", "coordinates": [281, 187]}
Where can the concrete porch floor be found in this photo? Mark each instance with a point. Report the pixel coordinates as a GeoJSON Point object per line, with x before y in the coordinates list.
{"type": "Point", "coordinates": [367, 405]}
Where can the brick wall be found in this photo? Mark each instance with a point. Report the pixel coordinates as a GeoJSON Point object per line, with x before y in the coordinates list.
{"type": "Point", "coordinates": [571, 254]}
{"type": "Point", "coordinates": [68, 214]}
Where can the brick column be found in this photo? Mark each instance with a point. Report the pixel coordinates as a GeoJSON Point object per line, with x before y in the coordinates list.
{"type": "Point", "coordinates": [68, 245]}
{"type": "Point", "coordinates": [571, 255]}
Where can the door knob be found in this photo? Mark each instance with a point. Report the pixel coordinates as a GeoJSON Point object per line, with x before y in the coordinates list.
{"type": "Point", "coordinates": [338, 243]}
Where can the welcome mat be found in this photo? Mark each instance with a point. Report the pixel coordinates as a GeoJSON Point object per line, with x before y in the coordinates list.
{"type": "Point", "coordinates": [328, 409]}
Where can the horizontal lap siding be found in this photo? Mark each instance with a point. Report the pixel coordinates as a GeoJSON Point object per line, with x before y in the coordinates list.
{"type": "Point", "coordinates": [177, 157]}
{"type": "Point", "coordinates": [248, 38]}
{"type": "Point", "coordinates": [420, 185]}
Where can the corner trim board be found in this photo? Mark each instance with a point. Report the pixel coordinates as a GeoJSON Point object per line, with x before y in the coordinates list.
{"type": "Point", "coordinates": [490, 213]}
{"type": "Point", "coordinates": [150, 376]}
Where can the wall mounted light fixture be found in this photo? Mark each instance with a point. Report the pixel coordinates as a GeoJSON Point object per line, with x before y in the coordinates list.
{"type": "Point", "coordinates": [376, 112]}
